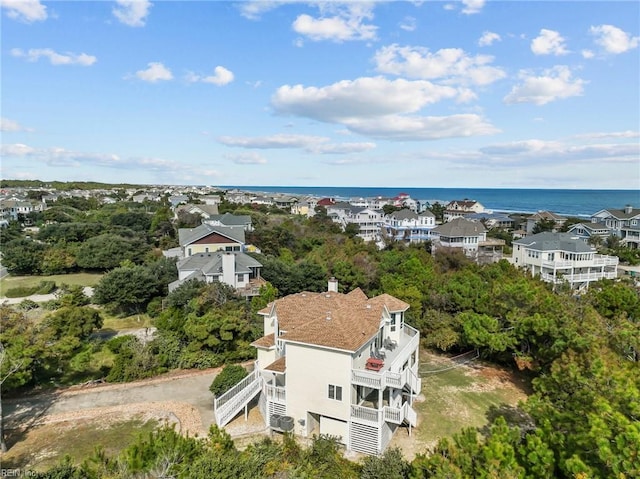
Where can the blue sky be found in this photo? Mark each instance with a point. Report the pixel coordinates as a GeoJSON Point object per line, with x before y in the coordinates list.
{"type": "Point", "coordinates": [467, 93]}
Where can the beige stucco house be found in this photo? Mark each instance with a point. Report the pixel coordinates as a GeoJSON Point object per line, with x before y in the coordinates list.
{"type": "Point", "coordinates": [333, 363]}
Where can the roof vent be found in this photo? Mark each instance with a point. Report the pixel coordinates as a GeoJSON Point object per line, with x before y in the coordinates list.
{"type": "Point", "coordinates": [368, 306]}
{"type": "Point", "coordinates": [328, 315]}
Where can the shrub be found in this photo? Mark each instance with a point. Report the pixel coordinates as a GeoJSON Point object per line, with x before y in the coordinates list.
{"type": "Point", "coordinates": [230, 375]}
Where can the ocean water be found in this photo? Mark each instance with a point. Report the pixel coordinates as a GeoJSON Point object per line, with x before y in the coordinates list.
{"type": "Point", "coordinates": [581, 203]}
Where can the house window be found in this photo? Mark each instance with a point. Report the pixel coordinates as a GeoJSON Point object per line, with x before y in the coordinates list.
{"type": "Point", "coordinates": [335, 392]}
{"type": "Point", "coordinates": [393, 322]}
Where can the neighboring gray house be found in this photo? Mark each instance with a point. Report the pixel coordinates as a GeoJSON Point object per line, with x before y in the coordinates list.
{"type": "Point", "coordinates": [228, 219]}
{"type": "Point", "coordinates": [470, 237]}
{"type": "Point", "coordinates": [206, 211]}
{"type": "Point", "coordinates": [624, 223]}
{"type": "Point", "coordinates": [409, 226]}
{"type": "Point", "coordinates": [547, 216]}
{"type": "Point", "coordinates": [563, 257]}
{"type": "Point", "coordinates": [208, 239]}
{"type": "Point", "coordinates": [588, 231]}
{"type": "Point", "coordinates": [238, 270]}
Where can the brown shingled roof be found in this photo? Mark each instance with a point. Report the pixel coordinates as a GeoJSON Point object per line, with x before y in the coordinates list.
{"type": "Point", "coordinates": [265, 341]}
{"type": "Point", "coordinates": [279, 365]}
{"type": "Point", "coordinates": [341, 321]}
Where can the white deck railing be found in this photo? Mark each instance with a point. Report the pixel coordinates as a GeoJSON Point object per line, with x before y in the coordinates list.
{"type": "Point", "coordinates": [395, 415]}
{"type": "Point", "coordinates": [366, 414]}
{"type": "Point", "coordinates": [276, 394]}
{"type": "Point", "coordinates": [230, 403]}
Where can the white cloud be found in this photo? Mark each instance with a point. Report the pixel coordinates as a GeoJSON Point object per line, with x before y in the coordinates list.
{"type": "Point", "coordinates": [309, 143]}
{"type": "Point", "coordinates": [367, 96]}
{"type": "Point", "coordinates": [614, 134]}
{"type": "Point", "coordinates": [613, 39]}
{"type": "Point", "coordinates": [472, 6]}
{"type": "Point", "coordinates": [156, 72]}
{"type": "Point", "coordinates": [10, 125]}
{"type": "Point", "coordinates": [16, 150]}
{"type": "Point", "coordinates": [132, 12]}
{"type": "Point", "coordinates": [408, 24]}
{"type": "Point", "coordinates": [380, 108]}
{"type": "Point", "coordinates": [341, 148]}
{"type": "Point", "coordinates": [549, 42]}
{"type": "Point", "coordinates": [551, 151]}
{"type": "Point", "coordinates": [338, 22]}
{"type": "Point", "coordinates": [273, 141]}
{"type": "Point", "coordinates": [555, 84]}
{"type": "Point", "coordinates": [452, 64]}
{"type": "Point", "coordinates": [55, 58]}
{"type": "Point", "coordinates": [27, 11]}
{"type": "Point", "coordinates": [249, 158]}
{"type": "Point", "coordinates": [415, 128]}
{"type": "Point", "coordinates": [253, 9]}
{"type": "Point", "coordinates": [221, 76]}
{"type": "Point", "coordinates": [587, 54]}
{"type": "Point", "coordinates": [488, 38]}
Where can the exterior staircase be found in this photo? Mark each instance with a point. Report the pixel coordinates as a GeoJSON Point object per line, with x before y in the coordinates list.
{"type": "Point", "coordinates": [235, 399]}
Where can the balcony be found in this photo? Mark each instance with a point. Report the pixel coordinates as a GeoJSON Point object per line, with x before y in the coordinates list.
{"type": "Point", "coordinates": [395, 415]}
{"type": "Point", "coordinates": [391, 373]}
{"type": "Point", "coordinates": [276, 394]}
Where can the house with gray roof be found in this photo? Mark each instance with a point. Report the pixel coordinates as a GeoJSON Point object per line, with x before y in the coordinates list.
{"type": "Point", "coordinates": [590, 232]}
{"type": "Point", "coordinates": [409, 226]}
{"type": "Point", "coordinates": [549, 216]}
{"type": "Point", "coordinates": [230, 220]}
{"type": "Point", "coordinates": [461, 208]}
{"type": "Point", "coordinates": [236, 269]}
{"type": "Point", "coordinates": [468, 236]}
{"type": "Point", "coordinates": [624, 223]}
{"type": "Point", "coordinates": [563, 258]}
{"type": "Point", "coordinates": [207, 238]}
{"type": "Point", "coordinates": [369, 221]}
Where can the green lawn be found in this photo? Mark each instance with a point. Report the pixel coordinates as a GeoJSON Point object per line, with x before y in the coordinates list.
{"type": "Point", "coordinates": [82, 279]}
{"type": "Point", "coordinates": [462, 396]}
{"type": "Point", "coordinates": [119, 323]}
{"type": "Point", "coordinates": [44, 446]}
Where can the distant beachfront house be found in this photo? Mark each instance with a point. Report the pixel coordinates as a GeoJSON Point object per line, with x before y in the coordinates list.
{"type": "Point", "coordinates": [624, 223]}
{"type": "Point", "coordinates": [563, 258]}
{"type": "Point", "coordinates": [493, 220]}
{"type": "Point", "coordinates": [403, 200]}
{"type": "Point", "coordinates": [369, 221]}
{"type": "Point", "coordinates": [305, 207]}
{"type": "Point", "coordinates": [468, 236]}
{"type": "Point", "coordinates": [590, 232]}
{"type": "Point", "coordinates": [409, 226]}
{"type": "Point", "coordinates": [236, 269]}
{"type": "Point", "coordinates": [547, 216]}
{"type": "Point", "coordinates": [461, 208]}
{"type": "Point", "coordinates": [330, 363]}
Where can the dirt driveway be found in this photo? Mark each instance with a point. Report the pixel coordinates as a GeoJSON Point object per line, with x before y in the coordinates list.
{"type": "Point", "coordinates": [184, 397]}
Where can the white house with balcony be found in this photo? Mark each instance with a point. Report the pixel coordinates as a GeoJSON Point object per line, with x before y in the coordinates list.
{"type": "Point", "coordinates": [563, 257]}
{"type": "Point", "coordinates": [333, 363]}
{"type": "Point", "coordinates": [468, 236]}
{"type": "Point", "coordinates": [409, 226]}
{"type": "Point", "coordinates": [369, 221]}
{"type": "Point", "coordinates": [461, 208]}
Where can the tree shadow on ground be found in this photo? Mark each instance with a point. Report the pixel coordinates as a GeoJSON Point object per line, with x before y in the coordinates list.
{"type": "Point", "coordinates": [21, 415]}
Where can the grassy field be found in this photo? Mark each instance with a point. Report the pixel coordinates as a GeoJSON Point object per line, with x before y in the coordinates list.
{"type": "Point", "coordinates": [82, 279]}
{"type": "Point", "coordinates": [118, 323]}
{"type": "Point", "coordinates": [44, 446]}
{"type": "Point", "coordinates": [455, 397]}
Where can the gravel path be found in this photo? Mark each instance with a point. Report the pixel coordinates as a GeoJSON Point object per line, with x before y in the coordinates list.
{"type": "Point", "coordinates": [185, 396]}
